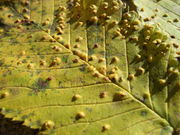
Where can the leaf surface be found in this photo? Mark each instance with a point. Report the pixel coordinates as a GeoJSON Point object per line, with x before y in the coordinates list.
{"type": "Point", "coordinates": [89, 67]}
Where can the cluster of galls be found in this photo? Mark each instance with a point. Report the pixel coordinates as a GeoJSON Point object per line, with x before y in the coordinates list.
{"type": "Point", "coordinates": [56, 61]}
{"type": "Point", "coordinates": [26, 18]}
{"type": "Point", "coordinates": [96, 73]}
{"type": "Point", "coordinates": [23, 22]}
{"type": "Point", "coordinates": [60, 17]}
{"type": "Point", "coordinates": [130, 24]}
{"type": "Point", "coordinates": [101, 71]}
{"type": "Point", "coordinates": [113, 73]}
{"type": "Point", "coordinates": [172, 75]}
{"type": "Point", "coordinates": [153, 43]}
{"type": "Point", "coordinates": [82, 11]}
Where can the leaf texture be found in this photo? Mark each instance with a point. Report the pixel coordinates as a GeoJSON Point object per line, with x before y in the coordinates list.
{"type": "Point", "coordinates": [81, 67]}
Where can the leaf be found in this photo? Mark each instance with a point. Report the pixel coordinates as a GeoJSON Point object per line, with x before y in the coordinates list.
{"type": "Point", "coordinates": [167, 15]}
{"type": "Point", "coordinates": [89, 67]}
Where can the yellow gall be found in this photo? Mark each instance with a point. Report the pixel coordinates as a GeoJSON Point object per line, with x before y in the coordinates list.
{"type": "Point", "coordinates": [26, 17]}
{"type": "Point", "coordinates": [105, 5]}
{"type": "Point", "coordinates": [137, 22]}
{"type": "Point", "coordinates": [142, 9]}
{"type": "Point", "coordinates": [115, 3]}
{"type": "Point", "coordinates": [80, 115]}
{"type": "Point", "coordinates": [104, 15]}
{"type": "Point", "coordinates": [93, 6]}
{"type": "Point", "coordinates": [150, 59]}
{"type": "Point", "coordinates": [30, 66]}
{"type": "Point", "coordinates": [96, 45]}
{"type": "Point", "coordinates": [156, 10]}
{"type": "Point", "coordinates": [92, 57]}
{"type": "Point", "coordinates": [45, 23]}
{"type": "Point", "coordinates": [105, 127]}
{"type": "Point", "coordinates": [119, 95]}
{"type": "Point", "coordinates": [94, 19]}
{"type": "Point", "coordinates": [81, 55]}
{"type": "Point", "coordinates": [56, 60]}
{"type": "Point", "coordinates": [102, 70]}
{"type": "Point", "coordinates": [103, 94]}
{"type": "Point", "coordinates": [162, 81]}
{"type": "Point", "coordinates": [5, 94]}
{"type": "Point", "coordinates": [140, 70]}
{"type": "Point", "coordinates": [114, 60]}
{"type": "Point", "coordinates": [42, 62]}
{"type": "Point", "coordinates": [19, 62]}
{"type": "Point", "coordinates": [114, 77]}
{"type": "Point", "coordinates": [48, 125]}
{"type": "Point", "coordinates": [147, 19]}
{"type": "Point", "coordinates": [79, 39]}
{"type": "Point", "coordinates": [127, 15]}
{"type": "Point", "coordinates": [23, 53]}
{"type": "Point", "coordinates": [114, 22]}
{"type": "Point", "coordinates": [76, 46]}
{"type": "Point", "coordinates": [138, 56]}
{"type": "Point", "coordinates": [101, 60]}
{"type": "Point", "coordinates": [76, 97]}
{"type": "Point", "coordinates": [80, 23]}
{"type": "Point", "coordinates": [96, 74]}
{"type": "Point", "coordinates": [165, 15]}
{"type": "Point", "coordinates": [67, 46]}
{"type": "Point", "coordinates": [175, 20]}
{"type": "Point", "coordinates": [94, 11]}
{"type": "Point", "coordinates": [9, 15]}
{"type": "Point", "coordinates": [131, 77]}
{"type": "Point", "coordinates": [115, 8]}
{"type": "Point", "coordinates": [134, 38]}
{"type": "Point", "coordinates": [91, 68]}
{"type": "Point", "coordinates": [76, 60]}
{"type": "Point", "coordinates": [117, 33]}
{"type": "Point", "coordinates": [52, 40]}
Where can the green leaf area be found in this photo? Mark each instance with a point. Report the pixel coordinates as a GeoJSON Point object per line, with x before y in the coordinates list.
{"type": "Point", "coordinates": [89, 67]}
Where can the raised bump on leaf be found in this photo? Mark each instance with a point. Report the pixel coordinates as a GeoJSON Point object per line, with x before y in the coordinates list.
{"type": "Point", "coordinates": [80, 115]}
{"type": "Point", "coordinates": [62, 32]}
{"type": "Point", "coordinates": [103, 94]}
{"type": "Point", "coordinates": [4, 95]}
{"type": "Point", "coordinates": [118, 96]}
{"type": "Point", "coordinates": [48, 125]}
{"type": "Point", "coordinates": [76, 97]}
{"type": "Point", "coordinates": [105, 127]}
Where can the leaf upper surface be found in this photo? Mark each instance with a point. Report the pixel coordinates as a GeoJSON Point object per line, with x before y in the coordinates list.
{"type": "Point", "coordinates": [64, 72]}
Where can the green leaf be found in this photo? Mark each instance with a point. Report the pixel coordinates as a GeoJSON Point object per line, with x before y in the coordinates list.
{"type": "Point", "coordinates": [90, 67]}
